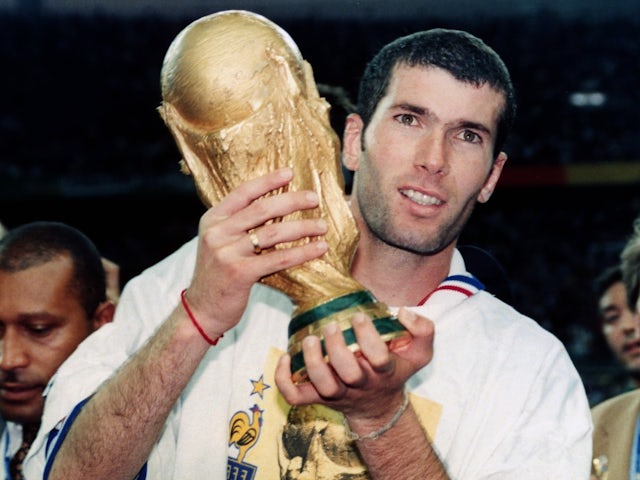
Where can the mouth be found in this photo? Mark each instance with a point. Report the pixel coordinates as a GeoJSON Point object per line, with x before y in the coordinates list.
{"type": "Point", "coordinates": [632, 348]}
{"type": "Point", "coordinates": [420, 198]}
{"type": "Point", "coordinates": [14, 392]}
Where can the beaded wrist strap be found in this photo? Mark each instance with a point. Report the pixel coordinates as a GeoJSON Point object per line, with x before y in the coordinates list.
{"type": "Point", "coordinates": [378, 433]}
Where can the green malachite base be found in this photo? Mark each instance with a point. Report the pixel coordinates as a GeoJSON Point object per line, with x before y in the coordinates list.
{"type": "Point", "coordinates": [339, 310]}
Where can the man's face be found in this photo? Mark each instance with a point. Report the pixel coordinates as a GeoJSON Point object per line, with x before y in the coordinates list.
{"type": "Point", "coordinates": [41, 323]}
{"type": "Point", "coordinates": [427, 159]}
{"type": "Point", "coordinates": [620, 327]}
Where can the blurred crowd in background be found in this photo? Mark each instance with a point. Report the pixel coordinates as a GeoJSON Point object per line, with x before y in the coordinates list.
{"type": "Point", "coordinates": [81, 142]}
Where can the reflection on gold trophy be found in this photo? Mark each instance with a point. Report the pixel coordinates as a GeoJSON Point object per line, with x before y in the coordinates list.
{"type": "Point", "coordinates": [241, 101]}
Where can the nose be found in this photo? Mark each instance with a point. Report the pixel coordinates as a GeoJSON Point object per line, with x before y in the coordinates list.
{"type": "Point", "coordinates": [431, 155]}
{"type": "Point", "coordinates": [631, 325]}
{"type": "Point", "coordinates": [13, 353]}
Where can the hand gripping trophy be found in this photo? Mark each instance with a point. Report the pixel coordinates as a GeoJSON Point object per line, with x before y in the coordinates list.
{"type": "Point", "coordinates": [240, 101]}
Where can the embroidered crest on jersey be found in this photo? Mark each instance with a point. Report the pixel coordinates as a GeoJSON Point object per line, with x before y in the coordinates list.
{"type": "Point", "coordinates": [244, 431]}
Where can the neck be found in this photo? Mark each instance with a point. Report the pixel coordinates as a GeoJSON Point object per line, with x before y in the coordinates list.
{"type": "Point", "coordinates": [397, 277]}
{"type": "Point", "coordinates": [29, 432]}
{"type": "Point", "coordinates": [30, 427]}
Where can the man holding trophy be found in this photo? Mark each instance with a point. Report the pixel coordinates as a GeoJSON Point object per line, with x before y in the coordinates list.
{"type": "Point", "coordinates": [301, 336]}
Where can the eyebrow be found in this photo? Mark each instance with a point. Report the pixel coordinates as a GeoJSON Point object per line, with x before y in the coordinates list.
{"type": "Point", "coordinates": [413, 108]}
{"type": "Point", "coordinates": [35, 316]}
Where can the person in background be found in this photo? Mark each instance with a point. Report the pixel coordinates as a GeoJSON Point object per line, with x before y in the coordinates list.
{"type": "Point", "coordinates": [195, 382]}
{"type": "Point", "coordinates": [111, 269]}
{"type": "Point", "coordinates": [619, 324]}
{"type": "Point", "coordinates": [616, 435]}
{"type": "Point", "coordinates": [52, 296]}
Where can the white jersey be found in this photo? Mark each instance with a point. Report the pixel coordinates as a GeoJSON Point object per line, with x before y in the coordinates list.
{"type": "Point", "coordinates": [501, 398]}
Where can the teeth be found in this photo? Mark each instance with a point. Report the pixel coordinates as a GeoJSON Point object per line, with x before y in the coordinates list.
{"type": "Point", "coordinates": [421, 198]}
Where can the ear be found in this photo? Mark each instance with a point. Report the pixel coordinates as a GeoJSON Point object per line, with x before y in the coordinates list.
{"type": "Point", "coordinates": [112, 272]}
{"type": "Point", "coordinates": [352, 141]}
{"type": "Point", "coordinates": [103, 314]}
{"type": "Point", "coordinates": [492, 180]}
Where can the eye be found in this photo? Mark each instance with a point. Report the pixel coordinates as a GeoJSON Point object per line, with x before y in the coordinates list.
{"type": "Point", "coordinates": [470, 136]}
{"type": "Point", "coordinates": [39, 329]}
{"type": "Point", "coordinates": [610, 319]}
{"type": "Point", "coordinates": [406, 119]}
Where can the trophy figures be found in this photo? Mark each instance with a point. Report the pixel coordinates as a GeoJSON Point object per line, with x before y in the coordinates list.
{"type": "Point", "coordinates": [240, 101]}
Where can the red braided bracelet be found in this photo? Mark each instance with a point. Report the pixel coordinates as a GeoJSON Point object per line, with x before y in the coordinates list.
{"type": "Point", "coordinates": [195, 322]}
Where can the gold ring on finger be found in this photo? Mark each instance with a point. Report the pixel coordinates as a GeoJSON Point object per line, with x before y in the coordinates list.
{"type": "Point", "coordinates": [256, 244]}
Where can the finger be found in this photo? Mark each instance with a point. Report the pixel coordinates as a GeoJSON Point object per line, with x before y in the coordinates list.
{"type": "Point", "coordinates": [283, 379]}
{"type": "Point", "coordinates": [412, 324]}
{"type": "Point", "coordinates": [341, 358]}
{"type": "Point", "coordinates": [275, 207]}
{"type": "Point", "coordinates": [280, 259]}
{"type": "Point", "coordinates": [278, 233]}
{"type": "Point", "coordinates": [372, 346]}
{"type": "Point", "coordinates": [320, 373]}
{"type": "Point", "coordinates": [419, 350]}
{"type": "Point", "coordinates": [416, 325]}
{"type": "Point", "coordinates": [221, 223]}
{"type": "Point", "coordinates": [247, 192]}
{"type": "Point", "coordinates": [294, 394]}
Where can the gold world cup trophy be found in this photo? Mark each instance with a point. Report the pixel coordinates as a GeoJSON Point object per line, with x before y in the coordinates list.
{"type": "Point", "coordinates": [240, 101]}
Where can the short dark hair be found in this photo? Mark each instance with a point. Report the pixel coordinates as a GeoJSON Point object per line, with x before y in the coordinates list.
{"type": "Point", "coordinates": [630, 264]}
{"type": "Point", "coordinates": [463, 55]}
{"type": "Point", "coordinates": [36, 243]}
{"type": "Point", "coordinates": [606, 279]}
